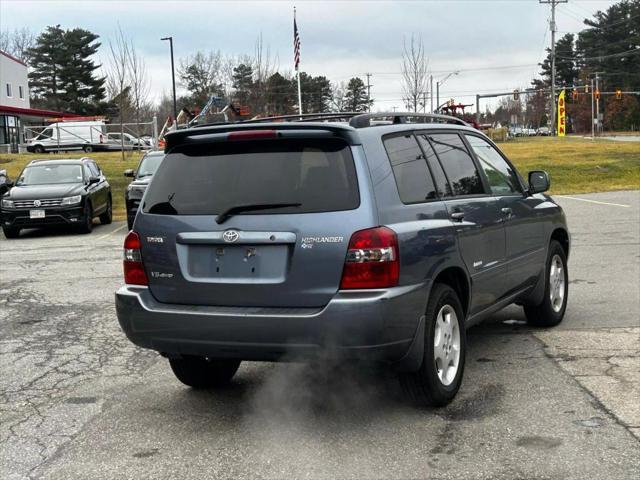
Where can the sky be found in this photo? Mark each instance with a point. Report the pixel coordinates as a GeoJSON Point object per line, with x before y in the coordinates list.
{"type": "Point", "coordinates": [494, 45]}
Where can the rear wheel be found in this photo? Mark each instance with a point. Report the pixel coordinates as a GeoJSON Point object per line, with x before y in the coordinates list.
{"type": "Point", "coordinates": [130, 220]}
{"type": "Point", "coordinates": [107, 216]}
{"type": "Point", "coordinates": [87, 221]}
{"type": "Point", "coordinates": [11, 232]}
{"type": "Point", "coordinates": [201, 372]}
{"type": "Point", "coordinates": [438, 380]}
{"type": "Point", "coordinates": [550, 311]}
{"type": "Point", "coordinates": [87, 148]}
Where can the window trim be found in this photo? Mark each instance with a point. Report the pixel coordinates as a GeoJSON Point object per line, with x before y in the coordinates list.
{"type": "Point", "coordinates": [410, 133]}
{"type": "Point", "coordinates": [504, 157]}
{"type": "Point", "coordinates": [21, 92]}
{"type": "Point", "coordinates": [9, 90]}
{"type": "Point", "coordinates": [473, 159]}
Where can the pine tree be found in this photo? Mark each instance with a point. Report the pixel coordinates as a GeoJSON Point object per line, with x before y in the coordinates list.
{"type": "Point", "coordinates": [356, 96]}
{"type": "Point", "coordinates": [63, 73]}
{"type": "Point", "coordinates": [243, 82]}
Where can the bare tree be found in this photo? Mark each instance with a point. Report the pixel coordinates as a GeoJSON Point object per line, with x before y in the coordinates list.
{"type": "Point", "coordinates": [201, 75]}
{"type": "Point", "coordinates": [119, 77]}
{"type": "Point", "coordinates": [139, 85]}
{"type": "Point", "coordinates": [17, 42]}
{"type": "Point", "coordinates": [263, 67]}
{"type": "Point", "coordinates": [414, 72]}
{"type": "Point", "coordinates": [338, 96]}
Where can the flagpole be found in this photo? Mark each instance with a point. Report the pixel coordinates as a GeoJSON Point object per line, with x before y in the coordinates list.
{"type": "Point", "coordinates": [298, 73]}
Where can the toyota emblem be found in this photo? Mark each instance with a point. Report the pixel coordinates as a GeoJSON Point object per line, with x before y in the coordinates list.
{"type": "Point", "coordinates": [36, 203]}
{"type": "Point", "coordinates": [230, 236]}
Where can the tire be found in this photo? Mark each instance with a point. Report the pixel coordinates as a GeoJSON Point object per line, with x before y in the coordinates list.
{"type": "Point", "coordinates": [87, 149]}
{"type": "Point", "coordinates": [107, 217]}
{"type": "Point", "coordinates": [200, 372]}
{"type": "Point", "coordinates": [87, 219]}
{"type": "Point", "coordinates": [556, 290]}
{"type": "Point", "coordinates": [130, 220]}
{"type": "Point", "coordinates": [38, 149]}
{"type": "Point", "coordinates": [11, 232]}
{"type": "Point", "coordinates": [431, 385]}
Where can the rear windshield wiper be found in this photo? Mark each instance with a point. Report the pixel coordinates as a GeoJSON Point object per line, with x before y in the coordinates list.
{"type": "Point", "coordinates": [230, 212]}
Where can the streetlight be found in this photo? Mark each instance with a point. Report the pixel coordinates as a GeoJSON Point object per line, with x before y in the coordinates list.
{"type": "Point", "coordinates": [455, 72]}
{"type": "Point", "coordinates": [173, 79]}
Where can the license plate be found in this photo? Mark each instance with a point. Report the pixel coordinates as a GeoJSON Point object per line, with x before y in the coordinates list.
{"type": "Point", "coordinates": [36, 213]}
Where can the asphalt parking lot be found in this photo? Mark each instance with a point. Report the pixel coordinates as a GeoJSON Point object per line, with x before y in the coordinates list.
{"type": "Point", "coordinates": [77, 400]}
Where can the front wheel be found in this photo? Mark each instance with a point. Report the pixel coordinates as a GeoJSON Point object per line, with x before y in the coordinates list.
{"type": "Point", "coordinates": [107, 216]}
{"type": "Point", "coordinates": [550, 311]}
{"type": "Point", "coordinates": [87, 149]}
{"type": "Point", "coordinates": [201, 372]}
{"type": "Point", "coordinates": [38, 149]}
{"type": "Point", "coordinates": [87, 220]}
{"type": "Point", "coordinates": [11, 232]}
{"type": "Point", "coordinates": [438, 380]}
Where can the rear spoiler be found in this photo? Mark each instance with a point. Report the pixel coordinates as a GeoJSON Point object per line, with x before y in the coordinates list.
{"type": "Point", "coordinates": [221, 133]}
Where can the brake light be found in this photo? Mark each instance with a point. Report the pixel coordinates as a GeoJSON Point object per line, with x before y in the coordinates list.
{"type": "Point", "coordinates": [252, 134]}
{"type": "Point", "coordinates": [134, 273]}
{"type": "Point", "coordinates": [372, 260]}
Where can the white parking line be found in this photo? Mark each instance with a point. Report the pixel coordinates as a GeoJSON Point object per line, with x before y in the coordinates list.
{"type": "Point", "coordinates": [112, 231]}
{"type": "Point", "coordinates": [595, 201]}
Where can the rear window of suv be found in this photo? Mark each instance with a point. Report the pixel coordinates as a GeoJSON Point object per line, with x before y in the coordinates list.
{"type": "Point", "coordinates": [207, 179]}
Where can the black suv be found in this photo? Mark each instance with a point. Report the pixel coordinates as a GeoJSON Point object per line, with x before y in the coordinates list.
{"type": "Point", "coordinates": [141, 178]}
{"type": "Point", "coordinates": [56, 192]}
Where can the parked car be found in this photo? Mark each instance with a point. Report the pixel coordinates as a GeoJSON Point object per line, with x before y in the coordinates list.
{"type": "Point", "coordinates": [70, 135]}
{"type": "Point", "coordinates": [141, 178]}
{"type": "Point", "coordinates": [114, 139]}
{"type": "Point", "coordinates": [543, 131]}
{"type": "Point", "coordinates": [56, 192]}
{"type": "Point", "coordinates": [264, 241]}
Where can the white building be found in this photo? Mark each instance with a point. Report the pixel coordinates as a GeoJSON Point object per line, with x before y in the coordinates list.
{"type": "Point", "coordinates": [15, 109]}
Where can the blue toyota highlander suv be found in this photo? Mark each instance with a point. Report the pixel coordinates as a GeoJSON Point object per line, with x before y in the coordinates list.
{"type": "Point", "coordinates": [385, 236]}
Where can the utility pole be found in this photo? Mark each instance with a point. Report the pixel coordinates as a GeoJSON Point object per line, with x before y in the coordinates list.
{"type": "Point", "coordinates": [437, 96]}
{"type": "Point", "coordinates": [598, 104]}
{"type": "Point", "coordinates": [368, 92]}
{"type": "Point", "coordinates": [552, 27]}
{"type": "Point", "coordinates": [431, 91]}
{"type": "Point", "coordinates": [592, 122]}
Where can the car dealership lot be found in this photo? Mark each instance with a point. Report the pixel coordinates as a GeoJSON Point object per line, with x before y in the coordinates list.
{"type": "Point", "coordinates": [77, 400]}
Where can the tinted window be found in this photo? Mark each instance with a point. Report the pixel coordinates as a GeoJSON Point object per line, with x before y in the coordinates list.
{"type": "Point", "coordinates": [457, 163]}
{"type": "Point", "coordinates": [501, 176]}
{"type": "Point", "coordinates": [48, 174]}
{"type": "Point", "coordinates": [148, 165]}
{"type": "Point", "coordinates": [95, 171]}
{"type": "Point", "coordinates": [209, 179]}
{"type": "Point", "coordinates": [410, 169]}
{"type": "Point", "coordinates": [444, 190]}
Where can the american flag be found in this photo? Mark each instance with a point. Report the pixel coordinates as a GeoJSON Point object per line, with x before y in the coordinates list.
{"type": "Point", "coordinates": [296, 44]}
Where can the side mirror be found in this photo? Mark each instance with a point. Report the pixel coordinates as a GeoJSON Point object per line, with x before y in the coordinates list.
{"type": "Point", "coordinates": [129, 172]}
{"type": "Point", "coordinates": [538, 181]}
{"type": "Point", "coordinates": [93, 180]}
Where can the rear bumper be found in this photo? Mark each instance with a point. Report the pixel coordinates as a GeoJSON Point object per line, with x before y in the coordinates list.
{"type": "Point", "coordinates": [378, 325]}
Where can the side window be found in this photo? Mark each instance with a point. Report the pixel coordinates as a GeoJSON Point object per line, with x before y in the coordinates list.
{"type": "Point", "coordinates": [502, 178]}
{"type": "Point", "coordinates": [442, 185]}
{"type": "Point", "coordinates": [86, 171]}
{"type": "Point", "coordinates": [457, 163]}
{"type": "Point", "coordinates": [95, 171]}
{"type": "Point", "coordinates": [410, 169]}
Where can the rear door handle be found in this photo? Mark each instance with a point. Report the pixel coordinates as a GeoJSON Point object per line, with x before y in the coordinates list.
{"type": "Point", "coordinates": [457, 216]}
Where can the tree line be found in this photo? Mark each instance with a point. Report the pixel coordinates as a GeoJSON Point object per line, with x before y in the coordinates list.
{"type": "Point", "coordinates": [609, 45]}
{"type": "Point", "coordinates": [64, 76]}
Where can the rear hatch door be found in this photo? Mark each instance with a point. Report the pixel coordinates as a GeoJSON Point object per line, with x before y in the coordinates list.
{"type": "Point", "coordinates": [292, 205]}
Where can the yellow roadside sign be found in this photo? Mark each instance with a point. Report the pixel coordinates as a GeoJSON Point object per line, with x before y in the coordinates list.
{"type": "Point", "coordinates": [561, 114]}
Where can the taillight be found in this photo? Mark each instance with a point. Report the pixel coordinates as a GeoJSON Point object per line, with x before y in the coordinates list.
{"type": "Point", "coordinates": [134, 273]}
{"type": "Point", "coordinates": [372, 260]}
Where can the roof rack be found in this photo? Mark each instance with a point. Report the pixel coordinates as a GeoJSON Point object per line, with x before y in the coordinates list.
{"type": "Point", "coordinates": [356, 119]}
{"type": "Point", "coordinates": [364, 120]}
